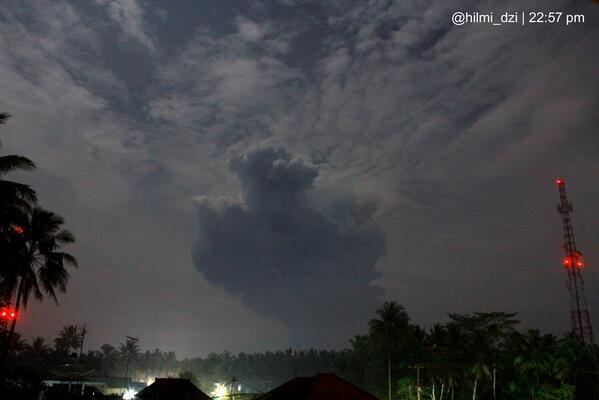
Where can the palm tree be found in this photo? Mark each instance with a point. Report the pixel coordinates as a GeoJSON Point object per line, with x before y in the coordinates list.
{"type": "Point", "coordinates": [130, 352]}
{"type": "Point", "coordinates": [479, 370]}
{"type": "Point", "coordinates": [16, 342]}
{"type": "Point", "coordinates": [479, 352]}
{"type": "Point", "coordinates": [170, 359]}
{"type": "Point", "coordinates": [13, 196]}
{"type": "Point", "coordinates": [37, 266]}
{"type": "Point", "coordinates": [535, 360]}
{"type": "Point", "coordinates": [390, 331]}
{"type": "Point", "coordinates": [37, 352]}
{"type": "Point", "coordinates": [38, 348]}
{"type": "Point", "coordinates": [110, 356]}
{"type": "Point", "coordinates": [499, 326]}
{"type": "Point", "coordinates": [484, 334]}
{"type": "Point", "coordinates": [129, 349]}
{"type": "Point", "coordinates": [569, 357]}
{"type": "Point", "coordinates": [15, 200]}
{"type": "Point", "coordinates": [69, 338]}
{"type": "Point", "coordinates": [156, 362]}
{"type": "Point", "coordinates": [357, 363]}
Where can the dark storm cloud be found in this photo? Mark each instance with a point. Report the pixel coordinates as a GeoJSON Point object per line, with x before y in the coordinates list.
{"type": "Point", "coordinates": [286, 254]}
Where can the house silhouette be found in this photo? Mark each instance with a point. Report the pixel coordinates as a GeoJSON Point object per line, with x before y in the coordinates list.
{"type": "Point", "coordinates": [319, 387]}
{"type": "Point", "coordinates": [172, 389]}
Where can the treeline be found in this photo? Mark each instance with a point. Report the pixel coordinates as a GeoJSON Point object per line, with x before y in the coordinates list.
{"type": "Point", "coordinates": [473, 356]}
{"type": "Point", "coordinates": [52, 361]}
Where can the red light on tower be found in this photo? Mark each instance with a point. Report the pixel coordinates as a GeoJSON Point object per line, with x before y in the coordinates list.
{"type": "Point", "coordinates": [7, 313]}
{"type": "Point", "coordinates": [579, 260]}
{"type": "Point", "coordinates": [559, 181]}
{"type": "Point", "coordinates": [567, 262]}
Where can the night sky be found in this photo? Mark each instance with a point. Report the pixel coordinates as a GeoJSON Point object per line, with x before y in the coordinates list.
{"type": "Point", "coordinates": [251, 175]}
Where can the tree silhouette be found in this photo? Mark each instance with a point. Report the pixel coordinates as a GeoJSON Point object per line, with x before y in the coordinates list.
{"type": "Point", "coordinates": [38, 266]}
{"type": "Point", "coordinates": [129, 349]}
{"type": "Point", "coordinates": [16, 199]}
{"type": "Point", "coordinates": [69, 339]}
{"type": "Point", "coordinates": [38, 350]}
{"type": "Point", "coordinates": [536, 360]}
{"type": "Point", "coordinates": [130, 353]}
{"type": "Point", "coordinates": [389, 332]}
{"type": "Point", "coordinates": [12, 194]}
{"type": "Point", "coordinates": [110, 356]}
{"type": "Point", "coordinates": [485, 334]}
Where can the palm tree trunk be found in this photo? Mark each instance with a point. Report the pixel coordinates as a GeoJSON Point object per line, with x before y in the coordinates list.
{"type": "Point", "coordinates": [494, 381]}
{"type": "Point", "coordinates": [11, 332]}
{"type": "Point", "coordinates": [389, 369]}
{"type": "Point", "coordinates": [474, 391]}
{"type": "Point", "coordinates": [127, 373]}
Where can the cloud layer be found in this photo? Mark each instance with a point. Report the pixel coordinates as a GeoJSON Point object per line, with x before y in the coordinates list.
{"type": "Point", "coordinates": [133, 108]}
{"type": "Point", "coordinates": [304, 262]}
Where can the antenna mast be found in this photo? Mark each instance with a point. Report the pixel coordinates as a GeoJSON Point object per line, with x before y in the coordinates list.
{"type": "Point", "coordinates": [574, 263]}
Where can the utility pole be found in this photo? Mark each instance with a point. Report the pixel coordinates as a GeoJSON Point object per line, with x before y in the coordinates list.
{"type": "Point", "coordinates": [83, 333]}
{"type": "Point", "coordinates": [580, 320]}
{"type": "Point", "coordinates": [130, 342]}
{"type": "Point", "coordinates": [294, 354]}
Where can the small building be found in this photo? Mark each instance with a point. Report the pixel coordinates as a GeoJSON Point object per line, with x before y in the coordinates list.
{"type": "Point", "coordinates": [107, 385]}
{"type": "Point", "coordinates": [116, 384]}
{"type": "Point", "coordinates": [172, 389]}
{"type": "Point", "coordinates": [319, 387]}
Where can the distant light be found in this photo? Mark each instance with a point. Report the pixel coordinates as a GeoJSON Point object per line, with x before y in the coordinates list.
{"type": "Point", "coordinates": [129, 394]}
{"type": "Point", "coordinates": [18, 229]}
{"type": "Point", "coordinates": [220, 390]}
